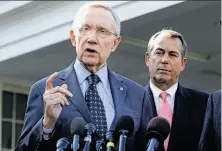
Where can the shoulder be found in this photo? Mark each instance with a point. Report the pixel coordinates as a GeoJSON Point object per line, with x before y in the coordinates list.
{"type": "Point", "coordinates": [196, 93]}
{"type": "Point", "coordinates": [131, 83]}
{"type": "Point", "coordinates": [134, 90]}
{"type": "Point", "coordinates": [197, 97]}
{"type": "Point", "coordinates": [216, 95]}
{"type": "Point", "coordinates": [215, 98]}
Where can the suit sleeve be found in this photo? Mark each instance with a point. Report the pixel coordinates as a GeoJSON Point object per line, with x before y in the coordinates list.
{"type": "Point", "coordinates": [207, 138]}
{"type": "Point", "coordinates": [32, 132]}
{"type": "Point", "coordinates": [146, 116]}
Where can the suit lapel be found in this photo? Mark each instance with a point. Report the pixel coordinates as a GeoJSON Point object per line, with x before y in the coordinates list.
{"type": "Point", "coordinates": [151, 99]}
{"type": "Point", "coordinates": [181, 115]}
{"type": "Point", "coordinates": [118, 90]}
{"type": "Point", "coordinates": [69, 77]}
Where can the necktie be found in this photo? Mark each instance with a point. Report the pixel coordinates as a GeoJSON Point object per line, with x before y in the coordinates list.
{"type": "Point", "coordinates": [95, 105]}
{"type": "Point", "coordinates": [165, 112]}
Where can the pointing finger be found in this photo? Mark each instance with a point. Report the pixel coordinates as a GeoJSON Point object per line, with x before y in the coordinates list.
{"type": "Point", "coordinates": [49, 81]}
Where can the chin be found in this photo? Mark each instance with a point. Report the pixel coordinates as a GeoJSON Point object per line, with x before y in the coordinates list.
{"type": "Point", "coordinates": [161, 79]}
{"type": "Point", "coordinates": [90, 62]}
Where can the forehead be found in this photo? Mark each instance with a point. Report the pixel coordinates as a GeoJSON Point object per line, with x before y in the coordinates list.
{"type": "Point", "coordinates": [97, 16]}
{"type": "Point", "coordinates": [168, 43]}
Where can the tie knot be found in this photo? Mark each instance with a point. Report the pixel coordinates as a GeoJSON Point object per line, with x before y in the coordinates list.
{"type": "Point", "coordinates": [163, 95]}
{"type": "Point", "coordinates": [93, 79]}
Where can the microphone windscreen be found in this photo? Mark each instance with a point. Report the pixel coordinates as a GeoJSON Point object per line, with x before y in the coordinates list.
{"type": "Point", "coordinates": [78, 126]}
{"type": "Point", "coordinates": [125, 123]}
{"type": "Point", "coordinates": [158, 127]}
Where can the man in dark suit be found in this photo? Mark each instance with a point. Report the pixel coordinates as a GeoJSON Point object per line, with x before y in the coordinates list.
{"type": "Point", "coordinates": [211, 135]}
{"type": "Point", "coordinates": [184, 108]}
{"type": "Point", "coordinates": [95, 92]}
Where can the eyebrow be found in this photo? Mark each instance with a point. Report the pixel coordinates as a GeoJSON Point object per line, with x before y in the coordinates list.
{"type": "Point", "coordinates": [98, 27]}
{"type": "Point", "coordinates": [101, 27]}
{"type": "Point", "coordinates": [161, 49]}
{"type": "Point", "coordinates": [174, 52]}
{"type": "Point", "coordinates": [171, 51]}
{"type": "Point", "coordinates": [84, 25]}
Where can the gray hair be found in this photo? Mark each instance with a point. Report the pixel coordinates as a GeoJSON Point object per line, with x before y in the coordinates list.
{"type": "Point", "coordinates": [171, 34]}
{"type": "Point", "coordinates": [98, 5]}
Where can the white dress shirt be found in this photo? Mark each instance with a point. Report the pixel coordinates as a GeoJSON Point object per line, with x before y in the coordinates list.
{"type": "Point", "coordinates": [170, 98]}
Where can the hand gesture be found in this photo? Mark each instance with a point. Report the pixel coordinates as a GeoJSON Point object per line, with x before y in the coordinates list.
{"type": "Point", "coordinates": [54, 100]}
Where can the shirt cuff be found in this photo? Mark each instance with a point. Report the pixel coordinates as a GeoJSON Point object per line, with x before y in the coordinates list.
{"type": "Point", "coordinates": [47, 133]}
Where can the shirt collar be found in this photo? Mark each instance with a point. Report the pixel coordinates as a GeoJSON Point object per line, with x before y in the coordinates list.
{"type": "Point", "coordinates": [82, 73]}
{"type": "Point", "coordinates": [172, 90]}
{"type": "Point", "coordinates": [156, 91]}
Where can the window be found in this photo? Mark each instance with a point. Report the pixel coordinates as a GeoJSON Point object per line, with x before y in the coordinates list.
{"type": "Point", "coordinates": [13, 111]}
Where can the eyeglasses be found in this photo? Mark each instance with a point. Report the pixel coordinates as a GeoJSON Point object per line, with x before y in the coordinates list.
{"type": "Point", "coordinates": [100, 32]}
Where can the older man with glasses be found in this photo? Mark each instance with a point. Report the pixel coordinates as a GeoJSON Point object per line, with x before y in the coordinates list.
{"type": "Point", "coordinates": [95, 92]}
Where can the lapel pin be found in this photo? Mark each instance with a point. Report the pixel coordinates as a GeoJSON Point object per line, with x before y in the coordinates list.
{"type": "Point", "coordinates": [121, 88]}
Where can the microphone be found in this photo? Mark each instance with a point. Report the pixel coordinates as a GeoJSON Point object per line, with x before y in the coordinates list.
{"type": "Point", "coordinates": [125, 127]}
{"type": "Point", "coordinates": [62, 144]}
{"type": "Point", "coordinates": [157, 131]}
{"type": "Point", "coordinates": [100, 145]}
{"type": "Point", "coordinates": [91, 128]}
{"type": "Point", "coordinates": [110, 138]}
{"type": "Point", "coordinates": [77, 129]}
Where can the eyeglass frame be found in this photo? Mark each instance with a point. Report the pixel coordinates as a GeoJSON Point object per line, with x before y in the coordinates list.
{"type": "Point", "coordinates": [108, 33]}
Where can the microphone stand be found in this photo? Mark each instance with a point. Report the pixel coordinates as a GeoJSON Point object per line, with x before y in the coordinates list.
{"type": "Point", "coordinates": [153, 145]}
{"type": "Point", "coordinates": [110, 145]}
{"type": "Point", "coordinates": [75, 144]}
{"type": "Point", "coordinates": [123, 137]}
{"type": "Point", "coordinates": [62, 144]}
{"type": "Point", "coordinates": [100, 145]}
{"type": "Point", "coordinates": [88, 139]}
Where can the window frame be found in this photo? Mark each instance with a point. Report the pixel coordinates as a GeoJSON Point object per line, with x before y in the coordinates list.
{"type": "Point", "coordinates": [14, 89]}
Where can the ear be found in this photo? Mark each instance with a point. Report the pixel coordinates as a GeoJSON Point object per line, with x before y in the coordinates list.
{"type": "Point", "coordinates": [147, 57]}
{"type": "Point", "coordinates": [116, 43]}
{"type": "Point", "coordinates": [184, 63]}
{"type": "Point", "coordinates": [72, 37]}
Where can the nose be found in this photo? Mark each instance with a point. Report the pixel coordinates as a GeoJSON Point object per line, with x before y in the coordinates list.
{"type": "Point", "coordinates": [165, 59]}
{"type": "Point", "coordinates": [92, 39]}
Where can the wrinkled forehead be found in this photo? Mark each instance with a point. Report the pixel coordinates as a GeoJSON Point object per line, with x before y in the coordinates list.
{"type": "Point", "coordinates": [96, 16]}
{"type": "Point", "coordinates": [166, 41]}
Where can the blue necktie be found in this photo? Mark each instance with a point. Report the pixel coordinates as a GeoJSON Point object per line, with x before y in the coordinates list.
{"type": "Point", "coordinates": [95, 105]}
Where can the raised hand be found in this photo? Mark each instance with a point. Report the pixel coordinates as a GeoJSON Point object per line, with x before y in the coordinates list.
{"type": "Point", "coordinates": [54, 100]}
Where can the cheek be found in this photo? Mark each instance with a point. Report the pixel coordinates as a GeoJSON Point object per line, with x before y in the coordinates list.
{"type": "Point", "coordinates": [177, 68]}
{"type": "Point", "coordinates": [79, 46]}
{"type": "Point", "coordinates": [104, 55]}
{"type": "Point", "coordinates": [79, 50]}
{"type": "Point", "coordinates": [107, 44]}
{"type": "Point", "coordinates": [154, 62]}
{"type": "Point", "coordinates": [152, 66]}
{"type": "Point", "coordinates": [106, 49]}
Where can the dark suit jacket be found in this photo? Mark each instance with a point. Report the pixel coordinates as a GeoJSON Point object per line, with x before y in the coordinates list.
{"type": "Point", "coordinates": [211, 134]}
{"type": "Point", "coordinates": [132, 101]}
{"type": "Point", "coordinates": [188, 118]}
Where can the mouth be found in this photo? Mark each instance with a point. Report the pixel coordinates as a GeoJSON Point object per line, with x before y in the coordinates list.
{"type": "Point", "coordinates": [91, 50]}
{"type": "Point", "coordinates": [164, 70]}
